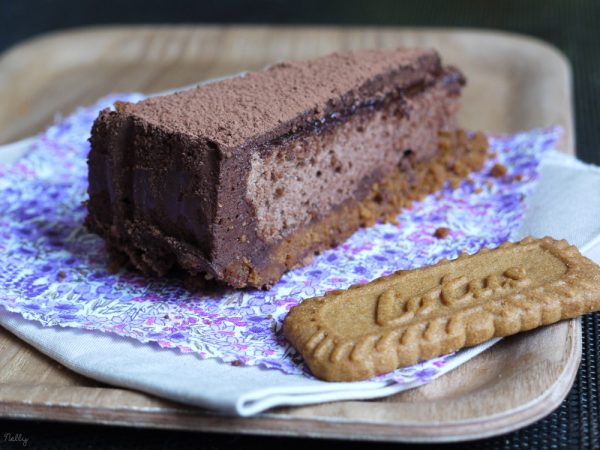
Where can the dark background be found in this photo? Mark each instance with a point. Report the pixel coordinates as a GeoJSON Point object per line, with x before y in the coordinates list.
{"type": "Point", "coordinates": [573, 26]}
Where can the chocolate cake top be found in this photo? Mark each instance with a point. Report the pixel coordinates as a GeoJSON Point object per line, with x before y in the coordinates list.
{"type": "Point", "coordinates": [257, 106]}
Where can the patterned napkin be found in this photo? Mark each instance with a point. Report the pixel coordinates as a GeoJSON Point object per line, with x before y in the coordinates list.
{"type": "Point", "coordinates": [54, 272]}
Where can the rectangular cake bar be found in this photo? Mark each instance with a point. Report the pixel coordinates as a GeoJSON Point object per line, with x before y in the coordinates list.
{"type": "Point", "coordinates": [243, 179]}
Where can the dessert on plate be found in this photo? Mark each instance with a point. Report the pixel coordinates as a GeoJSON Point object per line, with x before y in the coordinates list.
{"type": "Point", "coordinates": [243, 179]}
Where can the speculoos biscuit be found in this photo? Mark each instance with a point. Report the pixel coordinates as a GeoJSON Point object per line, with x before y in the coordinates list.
{"type": "Point", "coordinates": [413, 315]}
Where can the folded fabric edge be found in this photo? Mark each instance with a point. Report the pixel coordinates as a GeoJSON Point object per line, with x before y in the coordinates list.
{"type": "Point", "coordinates": [264, 399]}
{"type": "Point", "coordinates": [39, 337]}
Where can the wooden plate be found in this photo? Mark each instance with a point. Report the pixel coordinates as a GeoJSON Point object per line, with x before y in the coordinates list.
{"type": "Point", "coordinates": [514, 83]}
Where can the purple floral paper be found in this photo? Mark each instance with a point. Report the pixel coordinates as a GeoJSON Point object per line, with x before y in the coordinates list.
{"type": "Point", "coordinates": [55, 272]}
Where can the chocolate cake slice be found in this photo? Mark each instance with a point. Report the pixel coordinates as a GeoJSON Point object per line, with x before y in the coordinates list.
{"type": "Point", "coordinates": [243, 179]}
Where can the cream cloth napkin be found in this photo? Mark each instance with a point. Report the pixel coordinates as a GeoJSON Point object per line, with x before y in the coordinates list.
{"type": "Point", "coordinates": [564, 205]}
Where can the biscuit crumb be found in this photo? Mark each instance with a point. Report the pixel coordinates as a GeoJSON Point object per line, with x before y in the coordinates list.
{"type": "Point", "coordinates": [391, 218]}
{"type": "Point", "coordinates": [61, 276]}
{"type": "Point", "coordinates": [119, 105]}
{"type": "Point", "coordinates": [243, 238]}
{"type": "Point", "coordinates": [442, 232]}
{"type": "Point", "coordinates": [236, 363]}
{"type": "Point", "coordinates": [498, 171]}
{"type": "Point", "coordinates": [518, 177]}
{"type": "Point", "coordinates": [478, 190]}
{"type": "Point", "coordinates": [367, 216]}
{"type": "Point", "coordinates": [461, 169]}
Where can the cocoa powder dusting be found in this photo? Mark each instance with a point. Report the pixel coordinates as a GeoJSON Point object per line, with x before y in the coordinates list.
{"type": "Point", "coordinates": [284, 96]}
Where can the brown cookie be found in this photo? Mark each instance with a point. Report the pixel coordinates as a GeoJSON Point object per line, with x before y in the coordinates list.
{"type": "Point", "coordinates": [412, 315]}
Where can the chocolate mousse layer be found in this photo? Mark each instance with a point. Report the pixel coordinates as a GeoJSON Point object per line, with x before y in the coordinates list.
{"type": "Point", "coordinates": [242, 179]}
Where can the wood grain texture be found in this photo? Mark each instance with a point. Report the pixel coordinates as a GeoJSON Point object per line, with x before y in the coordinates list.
{"type": "Point", "coordinates": [514, 83]}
